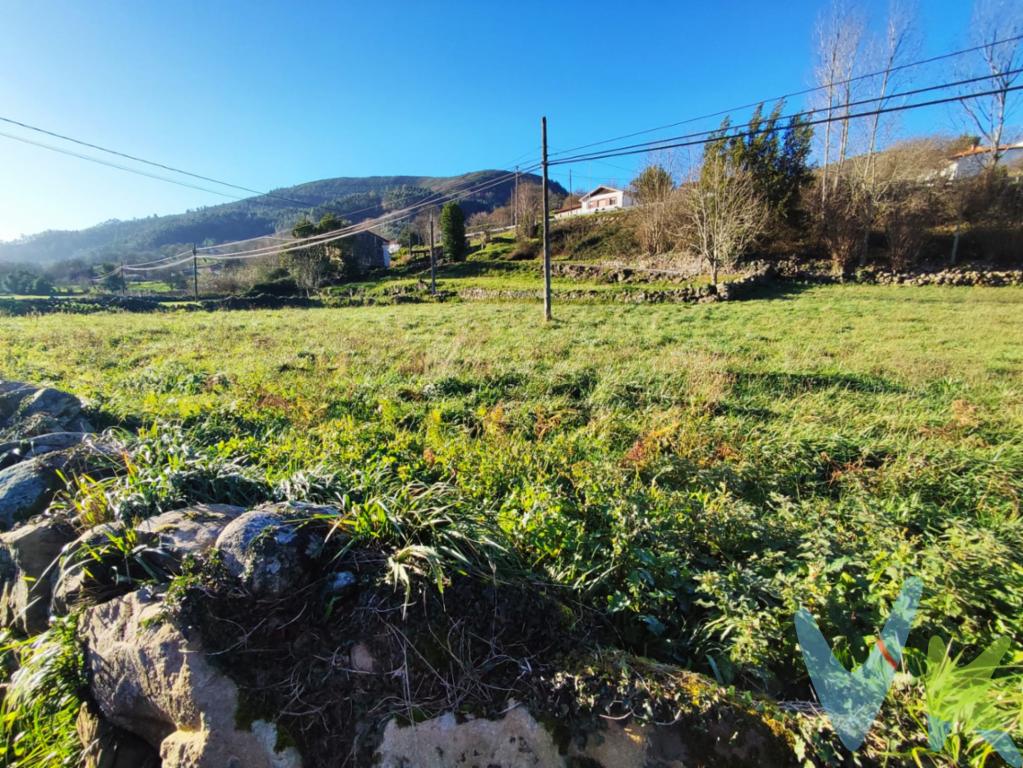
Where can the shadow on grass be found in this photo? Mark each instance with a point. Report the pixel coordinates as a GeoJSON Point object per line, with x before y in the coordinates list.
{"type": "Point", "coordinates": [741, 410]}
{"type": "Point", "coordinates": [777, 289]}
{"type": "Point", "coordinates": [779, 384]}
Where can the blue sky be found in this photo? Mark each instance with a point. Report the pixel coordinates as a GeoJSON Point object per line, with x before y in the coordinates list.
{"type": "Point", "coordinates": [272, 94]}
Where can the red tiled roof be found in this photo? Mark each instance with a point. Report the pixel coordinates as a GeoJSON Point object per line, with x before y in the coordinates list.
{"type": "Point", "coordinates": [985, 150]}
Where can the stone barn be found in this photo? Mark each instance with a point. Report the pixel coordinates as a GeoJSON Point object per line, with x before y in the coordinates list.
{"type": "Point", "coordinates": [370, 251]}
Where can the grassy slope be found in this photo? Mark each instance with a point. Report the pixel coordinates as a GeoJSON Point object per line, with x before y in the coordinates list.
{"type": "Point", "coordinates": [696, 472]}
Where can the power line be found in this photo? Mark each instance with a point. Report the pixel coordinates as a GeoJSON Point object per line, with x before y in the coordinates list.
{"type": "Point", "coordinates": [618, 152]}
{"type": "Point", "coordinates": [164, 166]}
{"type": "Point", "coordinates": [659, 144]}
{"type": "Point", "coordinates": [327, 237]}
{"type": "Point", "coordinates": [137, 159]}
{"type": "Point", "coordinates": [338, 234]}
{"type": "Point", "coordinates": [100, 161]}
{"type": "Point", "coordinates": [391, 217]}
{"type": "Point", "coordinates": [436, 197]}
{"type": "Point", "coordinates": [840, 118]}
{"type": "Point", "coordinates": [805, 91]}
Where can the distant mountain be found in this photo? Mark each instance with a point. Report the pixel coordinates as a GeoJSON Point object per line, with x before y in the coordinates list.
{"type": "Point", "coordinates": [355, 199]}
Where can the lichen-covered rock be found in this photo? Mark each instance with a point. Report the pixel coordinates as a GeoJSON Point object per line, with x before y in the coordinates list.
{"type": "Point", "coordinates": [518, 740]}
{"type": "Point", "coordinates": [514, 741]}
{"type": "Point", "coordinates": [272, 548]}
{"type": "Point", "coordinates": [149, 679]}
{"type": "Point", "coordinates": [26, 554]}
{"type": "Point", "coordinates": [14, 451]}
{"type": "Point", "coordinates": [174, 535]}
{"type": "Point", "coordinates": [28, 487]}
{"type": "Point", "coordinates": [189, 531]}
{"type": "Point", "coordinates": [26, 410]}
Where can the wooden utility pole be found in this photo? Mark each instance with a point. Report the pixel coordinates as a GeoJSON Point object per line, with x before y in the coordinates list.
{"type": "Point", "coordinates": [124, 280]}
{"type": "Point", "coordinates": [433, 260]}
{"type": "Point", "coordinates": [570, 181]}
{"type": "Point", "coordinates": [195, 274]}
{"type": "Point", "coordinates": [546, 228]}
{"type": "Point", "coordinates": [515, 200]}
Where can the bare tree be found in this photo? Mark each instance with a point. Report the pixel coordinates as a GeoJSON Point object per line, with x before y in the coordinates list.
{"type": "Point", "coordinates": [529, 204]}
{"type": "Point", "coordinates": [851, 42]}
{"type": "Point", "coordinates": [885, 53]}
{"type": "Point", "coordinates": [992, 22]}
{"type": "Point", "coordinates": [652, 189]}
{"type": "Point", "coordinates": [907, 215]}
{"type": "Point", "coordinates": [839, 33]}
{"type": "Point", "coordinates": [718, 215]}
{"type": "Point", "coordinates": [890, 51]}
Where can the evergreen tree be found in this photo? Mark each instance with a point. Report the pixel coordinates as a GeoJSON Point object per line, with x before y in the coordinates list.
{"type": "Point", "coordinates": [452, 232]}
{"type": "Point", "coordinates": [652, 185]}
{"type": "Point", "coordinates": [795, 164]}
{"type": "Point", "coordinates": [777, 162]}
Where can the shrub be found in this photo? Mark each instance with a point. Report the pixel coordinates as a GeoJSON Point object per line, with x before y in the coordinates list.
{"type": "Point", "coordinates": [841, 221]}
{"type": "Point", "coordinates": [906, 218]}
{"type": "Point", "coordinates": [525, 249]}
{"type": "Point", "coordinates": [282, 286]}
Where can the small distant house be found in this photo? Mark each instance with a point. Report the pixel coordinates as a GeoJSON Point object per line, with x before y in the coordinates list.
{"type": "Point", "coordinates": [604, 198]}
{"type": "Point", "coordinates": [570, 210]}
{"type": "Point", "coordinates": [601, 199]}
{"type": "Point", "coordinates": [966, 164]}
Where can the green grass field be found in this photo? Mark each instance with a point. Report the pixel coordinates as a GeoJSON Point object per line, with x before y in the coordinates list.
{"type": "Point", "coordinates": [695, 473]}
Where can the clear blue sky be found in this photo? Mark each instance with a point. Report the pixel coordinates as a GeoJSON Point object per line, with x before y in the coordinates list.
{"type": "Point", "coordinates": [271, 94]}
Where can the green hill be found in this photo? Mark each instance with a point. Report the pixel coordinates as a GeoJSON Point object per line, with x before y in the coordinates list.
{"type": "Point", "coordinates": [355, 199]}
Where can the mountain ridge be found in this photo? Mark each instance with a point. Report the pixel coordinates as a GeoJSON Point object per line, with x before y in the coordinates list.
{"type": "Point", "coordinates": [356, 198]}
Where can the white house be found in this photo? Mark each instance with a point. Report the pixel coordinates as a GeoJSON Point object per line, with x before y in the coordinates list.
{"type": "Point", "coordinates": [603, 198]}
{"type": "Point", "coordinates": [966, 164]}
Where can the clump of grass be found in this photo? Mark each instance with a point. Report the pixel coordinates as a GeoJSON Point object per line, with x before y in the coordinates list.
{"type": "Point", "coordinates": [42, 698]}
{"type": "Point", "coordinates": [426, 531]}
{"type": "Point", "coordinates": [165, 468]}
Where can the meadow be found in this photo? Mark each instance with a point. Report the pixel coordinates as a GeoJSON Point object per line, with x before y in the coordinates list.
{"type": "Point", "coordinates": [692, 473]}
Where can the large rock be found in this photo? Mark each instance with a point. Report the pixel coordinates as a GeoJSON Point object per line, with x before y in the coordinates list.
{"type": "Point", "coordinates": [272, 548]}
{"type": "Point", "coordinates": [150, 680]}
{"type": "Point", "coordinates": [514, 741]}
{"type": "Point", "coordinates": [14, 451]}
{"type": "Point", "coordinates": [170, 537]}
{"type": "Point", "coordinates": [26, 410]}
{"type": "Point", "coordinates": [12, 393]}
{"type": "Point", "coordinates": [28, 487]}
{"type": "Point", "coordinates": [518, 740]}
{"type": "Point", "coordinates": [26, 554]}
